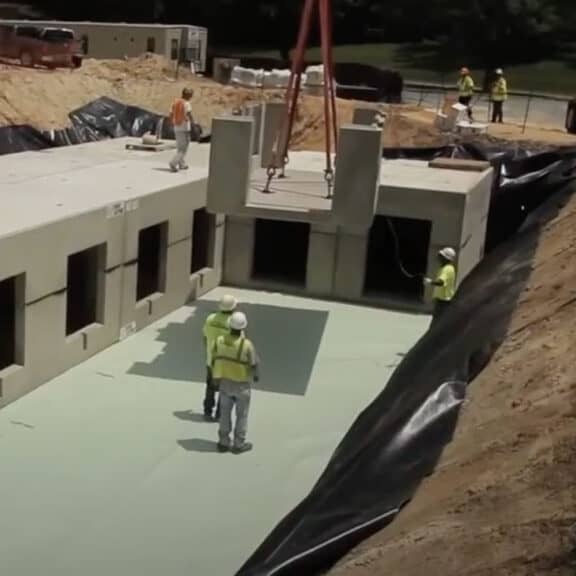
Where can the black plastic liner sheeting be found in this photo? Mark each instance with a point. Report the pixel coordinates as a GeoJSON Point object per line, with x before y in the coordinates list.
{"type": "Point", "coordinates": [101, 119]}
{"type": "Point", "coordinates": [398, 439]}
{"type": "Point", "coordinates": [22, 138]}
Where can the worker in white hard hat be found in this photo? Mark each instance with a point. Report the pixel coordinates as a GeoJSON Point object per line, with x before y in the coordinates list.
{"type": "Point", "coordinates": [216, 325]}
{"type": "Point", "coordinates": [445, 282]}
{"type": "Point", "coordinates": [499, 95]}
{"type": "Point", "coordinates": [234, 368]}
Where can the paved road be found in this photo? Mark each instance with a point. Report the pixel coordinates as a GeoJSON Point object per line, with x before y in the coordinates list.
{"type": "Point", "coordinates": [541, 110]}
{"type": "Point", "coordinates": [110, 469]}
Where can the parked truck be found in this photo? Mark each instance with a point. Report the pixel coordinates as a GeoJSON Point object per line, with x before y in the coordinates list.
{"type": "Point", "coordinates": [40, 46]}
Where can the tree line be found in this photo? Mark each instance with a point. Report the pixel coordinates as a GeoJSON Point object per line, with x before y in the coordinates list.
{"type": "Point", "coordinates": [479, 32]}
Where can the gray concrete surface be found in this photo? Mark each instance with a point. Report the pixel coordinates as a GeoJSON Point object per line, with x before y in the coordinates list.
{"type": "Point", "coordinates": [109, 469]}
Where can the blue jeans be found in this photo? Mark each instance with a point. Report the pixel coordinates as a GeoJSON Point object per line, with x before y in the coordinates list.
{"type": "Point", "coordinates": [234, 395]}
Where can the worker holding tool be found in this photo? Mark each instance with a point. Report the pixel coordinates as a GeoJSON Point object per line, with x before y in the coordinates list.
{"type": "Point", "coordinates": [444, 284]}
{"type": "Point", "coordinates": [499, 95]}
{"type": "Point", "coordinates": [217, 324]}
{"type": "Point", "coordinates": [181, 118]}
{"type": "Point", "coordinates": [234, 367]}
{"type": "Point", "coordinates": [466, 90]}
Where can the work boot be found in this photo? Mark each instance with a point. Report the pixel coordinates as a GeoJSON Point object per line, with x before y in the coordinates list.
{"type": "Point", "coordinates": [246, 447]}
{"type": "Point", "coordinates": [222, 448]}
{"type": "Point", "coordinates": [208, 417]}
{"type": "Point", "coordinates": [173, 168]}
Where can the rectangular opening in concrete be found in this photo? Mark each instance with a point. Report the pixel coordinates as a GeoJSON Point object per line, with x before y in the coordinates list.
{"type": "Point", "coordinates": [85, 288]}
{"type": "Point", "coordinates": [280, 251]}
{"type": "Point", "coordinates": [397, 257]}
{"type": "Point", "coordinates": [12, 321]}
{"type": "Point", "coordinates": [152, 252]}
{"type": "Point", "coordinates": [202, 240]}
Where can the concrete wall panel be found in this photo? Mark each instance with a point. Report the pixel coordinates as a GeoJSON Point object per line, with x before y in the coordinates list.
{"type": "Point", "coordinates": [238, 251]}
{"type": "Point", "coordinates": [357, 176]}
{"type": "Point", "coordinates": [350, 266]}
{"type": "Point", "coordinates": [174, 206]}
{"type": "Point", "coordinates": [321, 265]}
{"type": "Point", "coordinates": [43, 252]}
{"type": "Point", "coordinates": [273, 115]}
{"type": "Point", "coordinates": [230, 164]}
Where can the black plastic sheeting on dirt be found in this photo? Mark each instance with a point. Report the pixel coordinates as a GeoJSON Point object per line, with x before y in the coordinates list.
{"type": "Point", "coordinates": [101, 119]}
{"type": "Point", "coordinates": [22, 138]}
{"type": "Point", "coordinates": [397, 440]}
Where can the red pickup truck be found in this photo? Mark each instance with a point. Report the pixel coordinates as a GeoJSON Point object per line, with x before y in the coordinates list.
{"type": "Point", "coordinates": [38, 45]}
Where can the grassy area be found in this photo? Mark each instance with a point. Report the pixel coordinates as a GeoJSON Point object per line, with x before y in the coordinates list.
{"type": "Point", "coordinates": [419, 63]}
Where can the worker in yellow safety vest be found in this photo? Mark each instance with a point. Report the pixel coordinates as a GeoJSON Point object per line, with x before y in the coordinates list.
{"type": "Point", "coordinates": [499, 95]}
{"type": "Point", "coordinates": [234, 367]}
{"type": "Point", "coordinates": [216, 325]}
{"type": "Point", "coordinates": [444, 284]}
{"type": "Point", "coordinates": [181, 118]}
{"type": "Point", "coordinates": [466, 90]}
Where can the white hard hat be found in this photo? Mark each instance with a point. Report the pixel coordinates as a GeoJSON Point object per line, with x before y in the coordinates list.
{"type": "Point", "coordinates": [228, 303]}
{"type": "Point", "coordinates": [238, 321]}
{"type": "Point", "coordinates": [499, 71]}
{"type": "Point", "coordinates": [448, 253]}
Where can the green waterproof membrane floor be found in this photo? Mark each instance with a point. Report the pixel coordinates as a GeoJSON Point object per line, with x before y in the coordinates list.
{"type": "Point", "coordinates": [110, 468]}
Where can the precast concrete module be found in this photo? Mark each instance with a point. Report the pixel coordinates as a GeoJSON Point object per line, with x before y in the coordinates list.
{"type": "Point", "coordinates": [372, 242]}
{"type": "Point", "coordinates": [96, 242]}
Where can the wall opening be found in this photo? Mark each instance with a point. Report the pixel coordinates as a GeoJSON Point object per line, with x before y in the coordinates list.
{"type": "Point", "coordinates": [12, 321]}
{"type": "Point", "coordinates": [85, 44]}
{"type": "Point", "coordinates": [151, 44]}
{"type": "Point", "coordinates": [85, 288]}
{"type": "Point", "coordinates": [152, 252]}
{"type": "Point", "coordinates": [281, 251]}
{"type": "Point", "coordinates": [202, 241]}
{"type": "Point", "coordinates": [395, 243]}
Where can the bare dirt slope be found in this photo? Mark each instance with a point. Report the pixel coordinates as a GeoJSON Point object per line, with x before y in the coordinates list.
{"type": "Point", "coordinates": [503, 499]}
{"type": "Point", "coordinates": [44, 98]}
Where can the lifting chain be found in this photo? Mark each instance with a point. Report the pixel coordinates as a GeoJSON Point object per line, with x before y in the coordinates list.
{"type": "Point", "coordinates": [329, 178]}
{"type": "Point", "coordinates": [270, 173]}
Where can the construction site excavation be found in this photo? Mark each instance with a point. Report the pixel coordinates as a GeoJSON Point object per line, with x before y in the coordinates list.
{"type": "Point", "coordinates": [398, 301]}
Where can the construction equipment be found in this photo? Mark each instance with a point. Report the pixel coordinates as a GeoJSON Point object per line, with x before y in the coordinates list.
{"type": "Point", "coordinates": [282, 141]}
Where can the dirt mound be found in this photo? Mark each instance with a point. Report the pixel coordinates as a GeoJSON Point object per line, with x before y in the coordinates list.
{"type": "Point", "coordinates": [503, 498]}
{"type": "Point", "coordinates": [44, 98]}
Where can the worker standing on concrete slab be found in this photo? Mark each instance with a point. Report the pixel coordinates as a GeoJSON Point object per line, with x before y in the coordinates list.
{"type": "Point", "coordinates": [444, 284]}
{"type": "Point", "coordinates": [181, 117]}
{"type": "Point", "coordinates": [216, 325]}
{"type": "Point", "coordinates": [466, 90]}
{"type": "Point", "coordinates": [499, 95]}
{"type": "Point", "coordinates": [234, 367]}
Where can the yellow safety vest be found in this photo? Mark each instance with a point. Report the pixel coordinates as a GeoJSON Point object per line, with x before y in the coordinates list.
{"type": "Point", "coordinates": [216, 325]}
{"type": "Point", "coordinates": [466, 86]}
{"type": "Point", "coordinates": [447, 274]}
{"type": "Point", "coordinates": [500, 90]}
{"type": "Point", "coordinates": [233, 358]}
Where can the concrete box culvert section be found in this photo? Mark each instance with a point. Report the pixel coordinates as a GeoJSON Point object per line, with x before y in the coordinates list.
{"type": "Point", "coordinates": [110, 468]}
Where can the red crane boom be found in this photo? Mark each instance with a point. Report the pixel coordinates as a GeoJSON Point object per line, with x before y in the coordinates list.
{"type": "Point", "coordinates": [282, 142]}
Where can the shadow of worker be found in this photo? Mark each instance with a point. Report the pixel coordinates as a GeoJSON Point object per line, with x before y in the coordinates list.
{"type": "Point", "coordinates": [287, 341]}
{"type": "Point", "coordinates": [199, 445]}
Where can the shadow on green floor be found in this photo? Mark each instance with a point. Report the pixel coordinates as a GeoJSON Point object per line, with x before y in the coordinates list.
{"type": "Point", "coordinates": [287, 341]}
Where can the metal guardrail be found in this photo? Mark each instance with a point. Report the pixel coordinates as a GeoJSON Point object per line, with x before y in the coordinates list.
{"type": "Point", "coordinates": [521, 107]}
